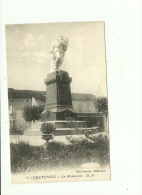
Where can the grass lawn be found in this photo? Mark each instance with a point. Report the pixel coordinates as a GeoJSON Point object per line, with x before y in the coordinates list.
{"type": "Point", "coordinates": [25, 157]}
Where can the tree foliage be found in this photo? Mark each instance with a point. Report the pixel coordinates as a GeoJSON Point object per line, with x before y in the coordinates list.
{"type": "Point", "coordinates": [32, 113]}
{"type": "Point", "coordinates": [102, 104]}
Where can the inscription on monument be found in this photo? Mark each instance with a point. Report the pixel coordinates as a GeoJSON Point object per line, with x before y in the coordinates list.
{"type": "Point", "coordinates": [64, 94]}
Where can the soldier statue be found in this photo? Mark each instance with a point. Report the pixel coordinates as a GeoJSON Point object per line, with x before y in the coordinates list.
{"type": "Point", "coordinates": [58, 50]}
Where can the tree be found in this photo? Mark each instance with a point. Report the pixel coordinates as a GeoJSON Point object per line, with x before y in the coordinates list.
{"type": "Point", "coordinates": [32, 113]}
{"type": "Point", "coordinates": [102, 104]}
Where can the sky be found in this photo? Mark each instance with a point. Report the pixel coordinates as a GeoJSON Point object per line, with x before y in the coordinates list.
{"type": "Point", "coordinates": [28, 57]}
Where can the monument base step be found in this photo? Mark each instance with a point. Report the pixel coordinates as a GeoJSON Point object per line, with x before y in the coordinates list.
{"type": "Point", "coordinates": [63, 131]}
{"type": "Point", "coordinates": [62, 124]}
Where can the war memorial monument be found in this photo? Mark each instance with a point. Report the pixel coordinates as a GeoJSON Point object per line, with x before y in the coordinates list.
{"type": "Point", "coordinates": [58, 107]}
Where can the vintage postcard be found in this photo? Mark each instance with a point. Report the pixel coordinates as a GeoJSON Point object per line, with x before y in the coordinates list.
{"type": "Point", "coordinates": [58, 105]}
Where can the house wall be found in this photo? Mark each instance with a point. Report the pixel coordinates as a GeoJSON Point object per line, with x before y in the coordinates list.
{"type": "Point", "coordinates": [15, 111]}
{"type": "Point", "coordinates": [19, 103]}
{"type": "Point", "coordinates": [84, 106]}
{"type": "Point", "coordinates": [36, 102]}
{"type": "Point", "coordinates": [20, 123]}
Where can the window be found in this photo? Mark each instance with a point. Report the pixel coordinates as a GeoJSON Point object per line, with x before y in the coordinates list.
{"type": "Point", "coordinates": [12, 124]}
{"type": "Point", "coordinates": [27, 100]}
{"type": "Point", "coordinates": [11, 110]}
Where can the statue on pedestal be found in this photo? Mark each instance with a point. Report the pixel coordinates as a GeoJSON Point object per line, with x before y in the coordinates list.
{"type": "Point", "coordinates": [58, 104]}
{"type": "Point", "coordinates": [58, 50]}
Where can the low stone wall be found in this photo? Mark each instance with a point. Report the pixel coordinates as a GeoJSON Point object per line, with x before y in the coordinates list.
{"type": "Point", "coordinates": [93, 119]}
{"type": "Point", "coordinates": [16, 132]}
{"type": "Point", "coordinates": [80, 131]}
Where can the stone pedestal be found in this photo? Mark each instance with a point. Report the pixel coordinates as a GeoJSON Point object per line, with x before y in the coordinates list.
{"type": "Point", "coordinates": [58, 97]}
{"type": "Point", "coordinates": [59, 110]}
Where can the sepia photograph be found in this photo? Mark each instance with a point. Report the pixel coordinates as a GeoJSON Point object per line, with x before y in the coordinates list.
{"type": "Point", "coordinates": [58, 102]}
{"type": "Point", "coordinates": [71, 97]}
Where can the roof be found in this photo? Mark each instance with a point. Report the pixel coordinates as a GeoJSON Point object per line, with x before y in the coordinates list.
{"type": "Point", "coordinates": [40, 95]}
{"type": "Point", "coordinates": [82, 96]}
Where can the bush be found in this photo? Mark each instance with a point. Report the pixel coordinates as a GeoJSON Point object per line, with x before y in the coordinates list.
{"type": "Point", "coordinates": [48, 128]}
{"type": "Point", "coordinates": [102, 104]}
{"type": "Point", "coordinates": [25, 157]}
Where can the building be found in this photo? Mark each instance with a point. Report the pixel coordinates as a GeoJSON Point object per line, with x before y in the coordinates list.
{"type": "Point", "coordinates": [17, 99]}
{"type": "Point", "coordinates": [82, 103]}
